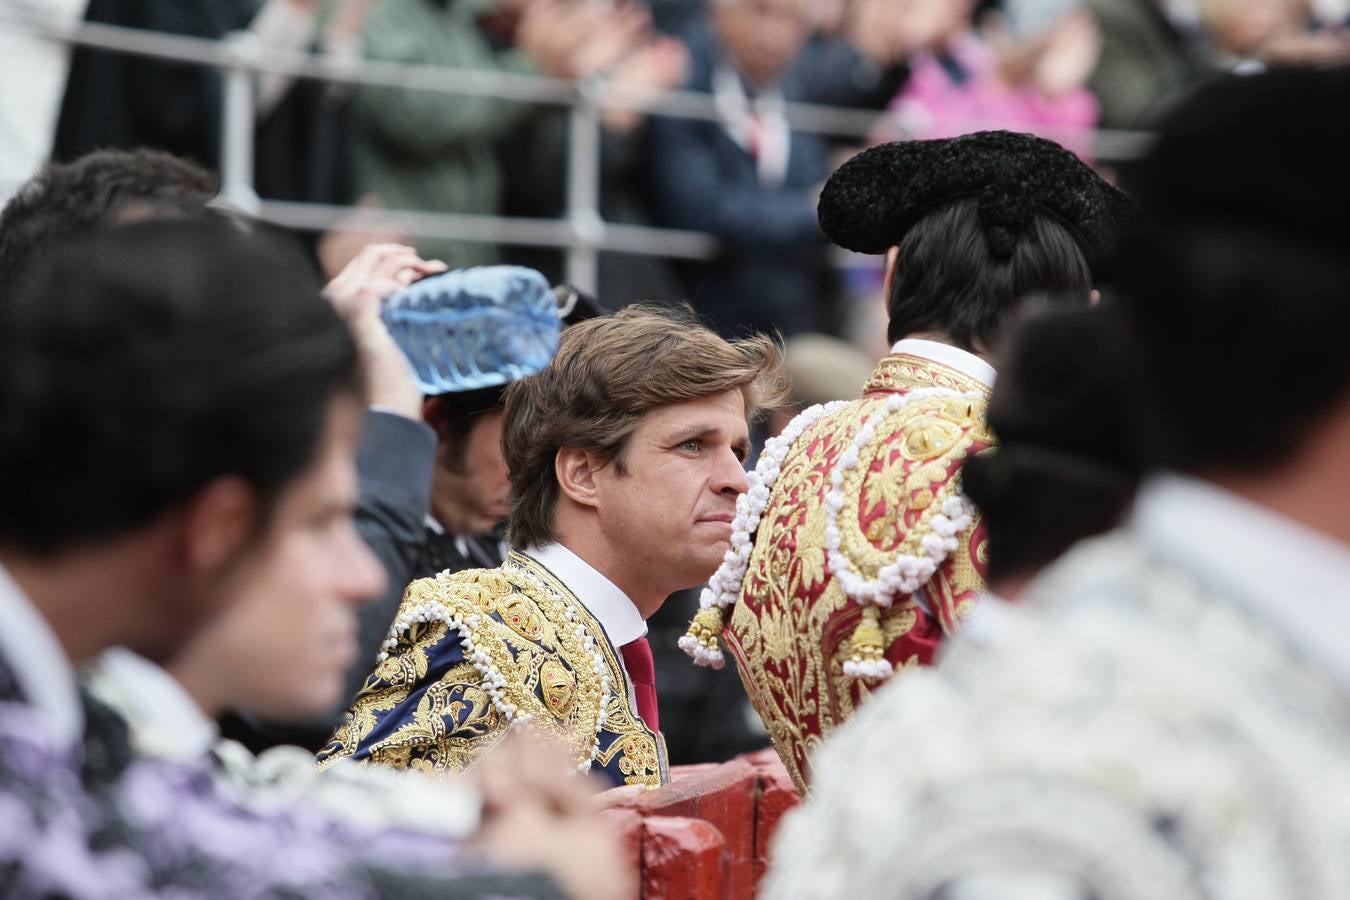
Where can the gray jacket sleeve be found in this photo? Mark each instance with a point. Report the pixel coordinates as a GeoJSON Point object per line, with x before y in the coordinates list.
{"type": "Point", "coordinates": [394, 464]}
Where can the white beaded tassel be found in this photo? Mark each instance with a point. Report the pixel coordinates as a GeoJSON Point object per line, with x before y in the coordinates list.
{"type": "Point", "coordinates": [725, 585]}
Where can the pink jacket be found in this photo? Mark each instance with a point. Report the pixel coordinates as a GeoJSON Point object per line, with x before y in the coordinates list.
{"type": "Point", "coordinates": [934, 104]}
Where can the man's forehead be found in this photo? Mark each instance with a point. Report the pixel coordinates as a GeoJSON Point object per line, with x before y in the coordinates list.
{"type": "Point", "coordinates": [723, 413]}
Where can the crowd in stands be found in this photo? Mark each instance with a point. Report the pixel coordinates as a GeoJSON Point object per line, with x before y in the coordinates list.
{"type": "Point", "coordinates": [1059, 68]}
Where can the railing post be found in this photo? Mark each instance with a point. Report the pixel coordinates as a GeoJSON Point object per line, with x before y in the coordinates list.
{"type": "Point", "coordinates": [583, 190]}
{"type": "Point", "coordinates": [238, 115]}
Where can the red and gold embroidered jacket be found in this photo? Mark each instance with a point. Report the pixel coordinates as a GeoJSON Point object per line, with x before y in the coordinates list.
{"type": "Point", "coordinates": [795, 623]}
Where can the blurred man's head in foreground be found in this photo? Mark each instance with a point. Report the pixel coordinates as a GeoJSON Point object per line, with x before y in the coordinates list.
{"type": "Point", "coordinates": [107, 187]}
{"type": "Point", "coordinates": [180, 405]}
{"type": "Point", "coordinates": [1235, 278]}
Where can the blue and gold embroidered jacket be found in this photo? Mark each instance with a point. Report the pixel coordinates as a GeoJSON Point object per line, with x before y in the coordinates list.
{"type": "Point", "coordinates": [470, 653]}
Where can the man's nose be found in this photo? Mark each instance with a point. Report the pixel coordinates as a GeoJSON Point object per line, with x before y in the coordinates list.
{"type": "Point", "coordinates": [364, 578]}
{"type": "Point", "coordinates": [732, 475]}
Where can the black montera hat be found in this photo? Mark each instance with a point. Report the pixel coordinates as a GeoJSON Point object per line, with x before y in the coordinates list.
{"type": "Point", "coordinates": [872, 200]}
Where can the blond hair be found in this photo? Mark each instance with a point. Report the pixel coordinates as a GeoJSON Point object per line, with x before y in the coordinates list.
{"type": "Point", "coordinates": [609, 372]}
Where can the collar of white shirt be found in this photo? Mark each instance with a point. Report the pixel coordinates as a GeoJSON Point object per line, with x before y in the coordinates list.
{"type": "Point", "coordinates": [39, 663]}
{"type": "Point", "coordinates": [601, 597]}
{"type": "Point", "coordinates": [1289, 575]}
{"type": "Point", "coordinates": [954, 357]}
{"type": "Point", "coordinates": [436, 527]}
{"type": "Point", "coordinates": [165, 721]}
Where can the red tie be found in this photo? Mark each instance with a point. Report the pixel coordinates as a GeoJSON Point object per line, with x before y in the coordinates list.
{"type": "Point", "coordinates": [754, 137]}
{"type": "Point", "coordinates": [637, 659]}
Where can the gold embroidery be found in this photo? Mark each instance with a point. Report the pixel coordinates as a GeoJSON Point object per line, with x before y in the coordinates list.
{"type": "Point", "coordinates": [558, 686]}
{"type": "Point", "coordinates": [621, 715]}
{"type": "Point", "coordinates": [521, 618]}
{"type": "Point", "coordinates": [790, 628]}
{"type": "Point", "coordinates": [639, 761]}
{"type": "Point", "coordinates": [901, 372]}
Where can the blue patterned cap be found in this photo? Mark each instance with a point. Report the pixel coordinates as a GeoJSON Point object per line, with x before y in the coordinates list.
{"type": "Point", "coordinates": [475, 328]}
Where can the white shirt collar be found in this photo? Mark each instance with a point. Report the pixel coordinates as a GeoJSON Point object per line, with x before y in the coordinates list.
{"type": "Point", "coordinates": [435, 527]}
{"type": "Point", "coordinates": [954, 357]}
{"type": "Point", "coordinates": [759, 125]}
{"type": "Point", "coordinates": [1289, 575]}
{"type": "Point", "coordinates": [39, 663]}
{"type": "Point", "coordinates": [165, 721]}
{"type": "Point", "coordinates": [601, 597]}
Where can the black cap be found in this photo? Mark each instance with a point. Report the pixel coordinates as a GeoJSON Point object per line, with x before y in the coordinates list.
{"type": "Point", "coordinates": [872, 200]}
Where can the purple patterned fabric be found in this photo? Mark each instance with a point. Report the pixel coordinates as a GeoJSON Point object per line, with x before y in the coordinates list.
{"type": "Point", "coordinates": [150, 828]}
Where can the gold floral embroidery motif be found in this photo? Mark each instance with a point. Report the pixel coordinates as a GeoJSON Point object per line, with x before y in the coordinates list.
{"type": "Point", "coordinates": [522, 618]}
{"type": "Point", "coordinates": [558, 686]}
{"type": "Point", "coordinates": [639, 760]}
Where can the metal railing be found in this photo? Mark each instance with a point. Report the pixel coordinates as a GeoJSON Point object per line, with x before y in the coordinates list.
{"type": "Point", "coordinates": [583, 233]}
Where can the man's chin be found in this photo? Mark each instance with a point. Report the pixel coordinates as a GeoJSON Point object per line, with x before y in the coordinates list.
{"type": "Point", "coordinates": [712, 560]}
{"type": "Point", "coordinates": [488, 523]}
{"type": "Point", "coordinates": [297, 710]}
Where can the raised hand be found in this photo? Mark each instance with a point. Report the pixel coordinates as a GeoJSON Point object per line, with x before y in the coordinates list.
{"type": "Point", "coordinates": [659, 65]}
{"type": "Point", "coordinates": [568, 39]}
{"type": "Point", "coordinates": [376, 273]}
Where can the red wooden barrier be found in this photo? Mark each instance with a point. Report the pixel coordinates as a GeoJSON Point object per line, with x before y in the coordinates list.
{"type": "Point", "coordinates": [724, 796]}
{"type": "Point", "coordinates": [705, 836]}
{"type": "Point", "coordinates": [682, 859]}
{"type": "Point", "coordinates": [777, 796]}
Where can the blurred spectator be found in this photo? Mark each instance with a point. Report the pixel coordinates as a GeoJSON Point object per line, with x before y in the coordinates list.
{"type": "Point", "coordinates": [127, 101]}
{"type": "Point", "coordinates": [536, 155]}
{"type": "Point", "coordinates": [215, 398]}
{"type": "Point", "coordinates": [303, 143]}
{"type": "Point", "coordinates": [28, 117]}
{"type": "Point", "coordinates": [1251, 34]}
{"type": "Point", "coordinates": [68, 201]}
{"type": "Point", "coordinates": [1151, 51]}
{"type": "Point", "coordinates": [429, 150]}
{"type": "Point", "coordinates": [1025, 72]}
{"type": "Point", "coordinates": [821, 368]}
{"type": "Point", "coordinates": [676, 17]}
{"type": "Point", "coordinates": [751, 179]}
